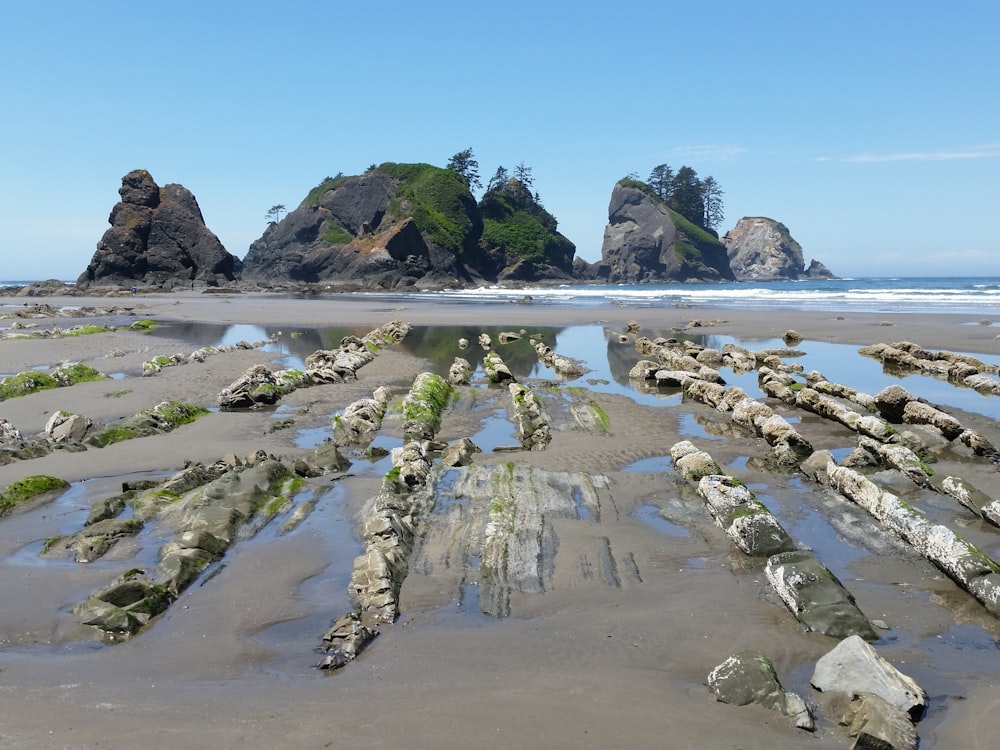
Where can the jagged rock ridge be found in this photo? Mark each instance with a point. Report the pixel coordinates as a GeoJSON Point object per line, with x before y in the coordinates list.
{"type": "Point", "coordinates": [158, 238]}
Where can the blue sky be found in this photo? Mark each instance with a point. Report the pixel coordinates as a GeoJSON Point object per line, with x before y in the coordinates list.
{"type": "Point", "coordinates": [870, 129]}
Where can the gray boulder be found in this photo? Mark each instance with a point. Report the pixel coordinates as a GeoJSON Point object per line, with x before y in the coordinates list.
{"type": "Point", "coordinates": [749, 677]}
{"type": "Point", "coordinates": [878, 724]}
{"type": "Point", "coordinates": [9, 433]}
{"type": "Point", "coordinates": [63, 427]}
{"type": "Point", "coordinates": [459, 453]}
{"type": "Point", "coordinates": [814, 595]}
{"type": "Point", "coordinates": [744, 518]}
{"type": "Point", "coordinates": [854, 667]}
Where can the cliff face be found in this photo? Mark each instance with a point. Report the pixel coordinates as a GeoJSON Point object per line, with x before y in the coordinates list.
{"type": "Point", "coordinates": [355, 231]}
{"type": "Point", "coordinates": [647, 242]}
{"type": "Point", "coordinates": [520, 241]}
{"type": "Point", "coordinates": [762, 249]}
{"type": "Point", "coordinates": [405, 225]}
{"type": "Point", "coordinates": [158, 238]}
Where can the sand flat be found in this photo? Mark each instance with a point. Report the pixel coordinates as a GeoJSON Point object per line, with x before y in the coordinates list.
{"type": "Point", "coordinates": [587, 662]}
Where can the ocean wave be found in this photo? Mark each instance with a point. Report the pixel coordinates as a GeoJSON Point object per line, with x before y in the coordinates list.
{"type": "Point", "coordinates": [970, 296]}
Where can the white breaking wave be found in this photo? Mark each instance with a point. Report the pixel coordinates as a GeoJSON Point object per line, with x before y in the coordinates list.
{"type": "Point", "coordinates": [971, 296]}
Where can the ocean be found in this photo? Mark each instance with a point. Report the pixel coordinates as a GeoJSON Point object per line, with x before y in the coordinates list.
{"type": "Point", "coordinates": [972, 296]}
{"type": "Point", "coordinates": [962, 295]}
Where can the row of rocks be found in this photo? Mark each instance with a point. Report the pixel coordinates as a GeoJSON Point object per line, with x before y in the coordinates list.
{"type": "Point", "coordinates": [33, 381]}
{"type": "Point", "coordinates": [531, 422]}
{"type": "Point", "coordinates": [810, 591]}
{"type": "Point", "coordinates": [75, 432]}
{"type": "Point", "coordinates": [209, 507]}
{"type": "Point", "coordinates": [880, 444]}
{"type": "Point", "coordinates": [259, 386]}
{"type": "Point", "coordinates": [155, 366]}
{"type": "Point", "coordinates": [389, 531]}
{"type": "Point", "coordinates": [564, 367]}
{"type": "Point", "coordinates": [44, 310]}
{"type": "Point", "coordinates": [959, 559]}
{"type": "Point", "coordinates": [390, 528]}
{"type": "Point", "coordinates": [361, 419]}
{"type": "Point", "coordinates": [788, 446]}
{"type": "Point", "coordinates": [962, 369]}
{"type": "Point", "coordinates": [390, 525]}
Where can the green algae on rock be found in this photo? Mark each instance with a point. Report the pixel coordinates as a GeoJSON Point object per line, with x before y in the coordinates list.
{"type": "Point", "coordinates": [29, 488]}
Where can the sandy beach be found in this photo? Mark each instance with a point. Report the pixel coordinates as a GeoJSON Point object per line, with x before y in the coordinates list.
{"type": "Point", "coordinates": [591, 660]}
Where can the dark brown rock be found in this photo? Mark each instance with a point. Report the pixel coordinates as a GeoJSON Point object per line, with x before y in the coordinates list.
{"type": "Point", "coordinates": [158, 238]}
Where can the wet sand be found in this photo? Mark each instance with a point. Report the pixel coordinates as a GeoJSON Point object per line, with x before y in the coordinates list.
{"type": "Point", "coordinates": [586, 663]}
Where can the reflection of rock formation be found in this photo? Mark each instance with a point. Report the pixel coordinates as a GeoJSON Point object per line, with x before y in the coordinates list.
{"type": "Point", "coordinates": [440, 345]}
{"type": "Point", "coordinates": [622, 355]}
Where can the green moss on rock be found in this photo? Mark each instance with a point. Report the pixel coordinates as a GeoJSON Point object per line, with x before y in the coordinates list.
{"type": "Point", "coordinates": [26, 382]}
{"type": "Point", "coordinates": [77, 373]}
{"type": "Point", "coordinates": [29, 488]}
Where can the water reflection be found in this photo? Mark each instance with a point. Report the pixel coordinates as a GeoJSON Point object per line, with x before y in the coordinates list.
{"type": "Point", "coordinates": [604, 352]}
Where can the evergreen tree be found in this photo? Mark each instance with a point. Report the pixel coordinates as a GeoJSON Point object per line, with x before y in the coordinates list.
{"type": "Point", "coordinates": [712, 198]}
{"type": "Point", "coordinates": [274, 213]}
{"type": "Point", "coordinates": [686, 196]}
{"type": "Point", "coordinates": [661, 181]}
{"type": "Point", "coordinates": [498, 180]}
{"type": "Point", "coordinates": [522, 174]}
{"type": "Point", "coordinates": [465, 164]}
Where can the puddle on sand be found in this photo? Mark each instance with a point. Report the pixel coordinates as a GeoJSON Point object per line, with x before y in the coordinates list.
{"type": "Point", "coordinates": [690, 427]}
{"type": "Point", "coordinates": [310, 437]}
{"type": "Point", "coordinates": [495, 430]}
{"type": "Point", "coordinates": [468, 596]}
{"type": "Point", "coordinates": [323, 597]}
{"type": "Point", "coordinates": [651, 516]}
{"type": "Point", "coordinates": [651, 465]}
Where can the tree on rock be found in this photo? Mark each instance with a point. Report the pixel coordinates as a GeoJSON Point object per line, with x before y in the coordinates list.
{"type": "Point", "coordinates": [464, 162]}
{"type": "Point", "coordinates": [686, 196]}
{"type": "Point", "coordinates": [274, 213]}
{"type": "Point", "coordinates": [661, 181]}
{"type": "Point", "coordinates": [522, 174]}
{"type": "Point", "coordinates": [712, 195]}
{"type": "Point", "coordinates": [498, 179]}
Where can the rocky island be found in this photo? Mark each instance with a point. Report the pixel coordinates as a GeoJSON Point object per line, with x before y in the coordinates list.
{"type": "Point", "coordinates": [418, 226]}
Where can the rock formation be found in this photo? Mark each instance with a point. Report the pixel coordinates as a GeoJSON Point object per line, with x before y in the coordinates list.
{"type": "Point", "coordinates": [520, 240]}
{"type": "Point", "coordinates": [762, 249]}
{"type": "Point", "coordinates": [647, 242]}
{"type": "Point", "coordinates": [410, 225]}
{"type": "Point", "coordinates": [158, 238]}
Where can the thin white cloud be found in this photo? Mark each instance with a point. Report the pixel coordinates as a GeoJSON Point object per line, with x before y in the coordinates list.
{"type": "Point", "coordinates": [985, 151]}
{"type": "Point", "coordinates": [708, 152]}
